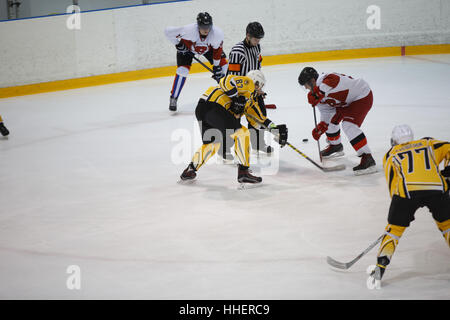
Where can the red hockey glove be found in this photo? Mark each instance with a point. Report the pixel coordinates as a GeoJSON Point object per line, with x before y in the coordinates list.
{"type": "Point", "coordinates": [314, 96]}
{"type": "Point", "coordinates": [322, 127]}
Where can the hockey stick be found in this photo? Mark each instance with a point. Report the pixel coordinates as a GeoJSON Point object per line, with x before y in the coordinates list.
{"type": "Point", "coordinates": [346, 265]}
{"type": "Point", "coordinates": [315, 119]}
{"type": "Point", "coordinates": [204, 65]}
{"type": "Point", "coordinates": [318, 142]}
{"type": "Point", "coordinates": [324, 169]}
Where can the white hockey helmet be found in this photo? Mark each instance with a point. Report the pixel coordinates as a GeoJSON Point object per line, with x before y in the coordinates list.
{"type": "Point", "coordinates": [401, 134]}
{"type": "Point", "coordinates": [258, 78]}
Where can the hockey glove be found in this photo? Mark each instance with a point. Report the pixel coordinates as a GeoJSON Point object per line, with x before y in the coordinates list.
{"type": "Point", "coordinates": [238, 104]}
{"type": "Point", "coordinates": [281, 133]}
{"type": "Point", "coordinates": [314, 96]}
{"type": "Point", "coordinates": [181, 48]}
{"type": "Point", "coordinates": [322, 127]}
{"type": "Point", "coordinates": [217, 73]}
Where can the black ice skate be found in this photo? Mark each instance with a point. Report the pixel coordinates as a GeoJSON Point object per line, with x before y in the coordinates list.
{"type": "Point", "coordinates": [3, 130]}
{"type": "Point", "coordinates": [173, 104]}
{"type": "Point", "coordinates": [244, 176]}
{"type": "Point", "coordinates": [189, 173]}
{"type": "Point", "coordinates": [332, 151]}
{"type": "Point", "coordinates": [366, 166]}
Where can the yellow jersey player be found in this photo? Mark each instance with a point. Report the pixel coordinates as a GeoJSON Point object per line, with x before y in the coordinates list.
{"type": "Point", "coordinates": [3, 129]}
{"type": "Point", "coordinates": [219, 111]}
{"type": "Point", "coordinates": [414, 181]}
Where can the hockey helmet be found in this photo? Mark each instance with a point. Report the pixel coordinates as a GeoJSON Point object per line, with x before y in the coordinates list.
{"type": "Point", "coordinates": [258, 78]}
{"type": "Point", "coordinates": [255, 30]}
{"type": "Point", "coordinates": [401, 134]}
{"type": "Point", "coordinates": [204, 21]}
{"type": "Point", "coordinates": [306, 75]}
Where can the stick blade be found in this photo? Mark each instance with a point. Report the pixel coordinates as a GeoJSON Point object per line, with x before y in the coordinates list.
{"type": "Point", "coordinates": [337, 264]}
{"type": "Point", "coordinates": [335, 168]}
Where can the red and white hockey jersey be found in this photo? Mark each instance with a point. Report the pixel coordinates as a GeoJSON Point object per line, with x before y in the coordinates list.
{"type": "Point", "coordinates": [341, 90]}
{"type": "Point", "coordinates": [190, 35]}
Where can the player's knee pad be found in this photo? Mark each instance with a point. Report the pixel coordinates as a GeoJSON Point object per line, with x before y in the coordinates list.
{"type": "Point", "coordinates": [392, 235]}
{"type": "Point", "coordinates": [241, 133]}
{"type": "Point", "coordinates": [183, 71]}
{"type": "Point", "coordinates": [351, 129]}
{"type": "Point", "coordinates": [444, 227]}
{"type": "Point", "coordinates": [204, 153]}
{"type": "Point", "coordinates": [333, 128]}
{"type": "Point", "coordinates": [242, 145]}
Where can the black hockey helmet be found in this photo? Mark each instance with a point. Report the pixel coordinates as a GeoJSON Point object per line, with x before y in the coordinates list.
{"type": "Point", "coordinates": [306, 75]}
{"type": "Point", "coordinates": [255, 30]}
{"type": "Point", "coordinates": [204, 20]}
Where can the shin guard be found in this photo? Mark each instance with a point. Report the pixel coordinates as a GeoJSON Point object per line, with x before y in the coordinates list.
{"type": "Point", "coordinates": [388, 245]}
{"type": "Point", "coordinates": [204, 153]}
{"type": "Point", "coordinates": [242, 145]}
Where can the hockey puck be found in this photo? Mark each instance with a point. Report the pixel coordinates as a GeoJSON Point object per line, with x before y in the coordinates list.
{"type": "Point", "coordinates": [305, 140]}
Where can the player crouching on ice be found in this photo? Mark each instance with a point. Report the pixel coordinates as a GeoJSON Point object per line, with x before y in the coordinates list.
{"type": "Point", "coordinates": [220, 109]}
{"type": "Point", "coordinates": [340, 98]}
{"type": "Point", "coordinates": [414, 181]}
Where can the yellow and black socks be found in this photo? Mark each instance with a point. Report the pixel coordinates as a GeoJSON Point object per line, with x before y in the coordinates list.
{"type": "Point", "coordinates": [392, 235]}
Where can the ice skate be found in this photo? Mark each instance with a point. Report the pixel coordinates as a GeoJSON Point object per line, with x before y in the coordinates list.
{"type": "Point", "coordinates": [366, 166]}
{"type": "Point", "coordinates": [244, 176]}
{"type": "Point", "coordinates": [189, 173]}
{"type": "Point", "coordinates": [173, 104]}
{"type": "Point", "coordinates": [3, 130]}
{"type": "Point", "coordinates": [375, 274]}
{"type": "Point", "coordinates": [332, 151]}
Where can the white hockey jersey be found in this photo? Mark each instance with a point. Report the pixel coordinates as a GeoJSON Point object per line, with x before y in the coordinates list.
{"type": "Point", "coordinates": [341, 90]}
{"type": "Point", "coordinates": [190, 35]}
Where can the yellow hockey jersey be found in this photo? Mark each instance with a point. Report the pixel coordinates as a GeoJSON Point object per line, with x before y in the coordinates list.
{"type": "Point", "coordinates": [414, 167]}
{"type": "Point", "coordinates": [229, 87]}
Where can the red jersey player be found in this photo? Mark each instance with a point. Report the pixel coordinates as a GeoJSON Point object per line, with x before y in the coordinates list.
{"type": "Point", "coordinates": [200, 38]}
{"type": "Point", "coordinates": [340, 98]}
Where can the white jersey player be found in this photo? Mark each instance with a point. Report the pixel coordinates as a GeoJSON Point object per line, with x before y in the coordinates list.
{"type": "Point", "coordinates": [340, 98]}
{"type": "Point", "coordinates": [202, 38]}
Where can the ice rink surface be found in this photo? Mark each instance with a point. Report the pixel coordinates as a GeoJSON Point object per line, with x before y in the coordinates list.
{"type": "Point", "coordinates": [88, 177]}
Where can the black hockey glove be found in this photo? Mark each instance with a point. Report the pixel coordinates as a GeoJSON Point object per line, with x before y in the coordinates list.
{"type": "Point", "coordinates": [181, 48]}
{"type": "Point", "coordinates": [446, 172]}
{"type": "Point", "coordinates": [281, 133]}
{"type": "Point", "coordinates": [217, 73]}
{"type": "Point", "coordinates": [238, 104]}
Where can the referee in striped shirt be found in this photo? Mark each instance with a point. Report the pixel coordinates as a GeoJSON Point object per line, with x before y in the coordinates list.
{"type": "Point", "coordinates": [244, 57]}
